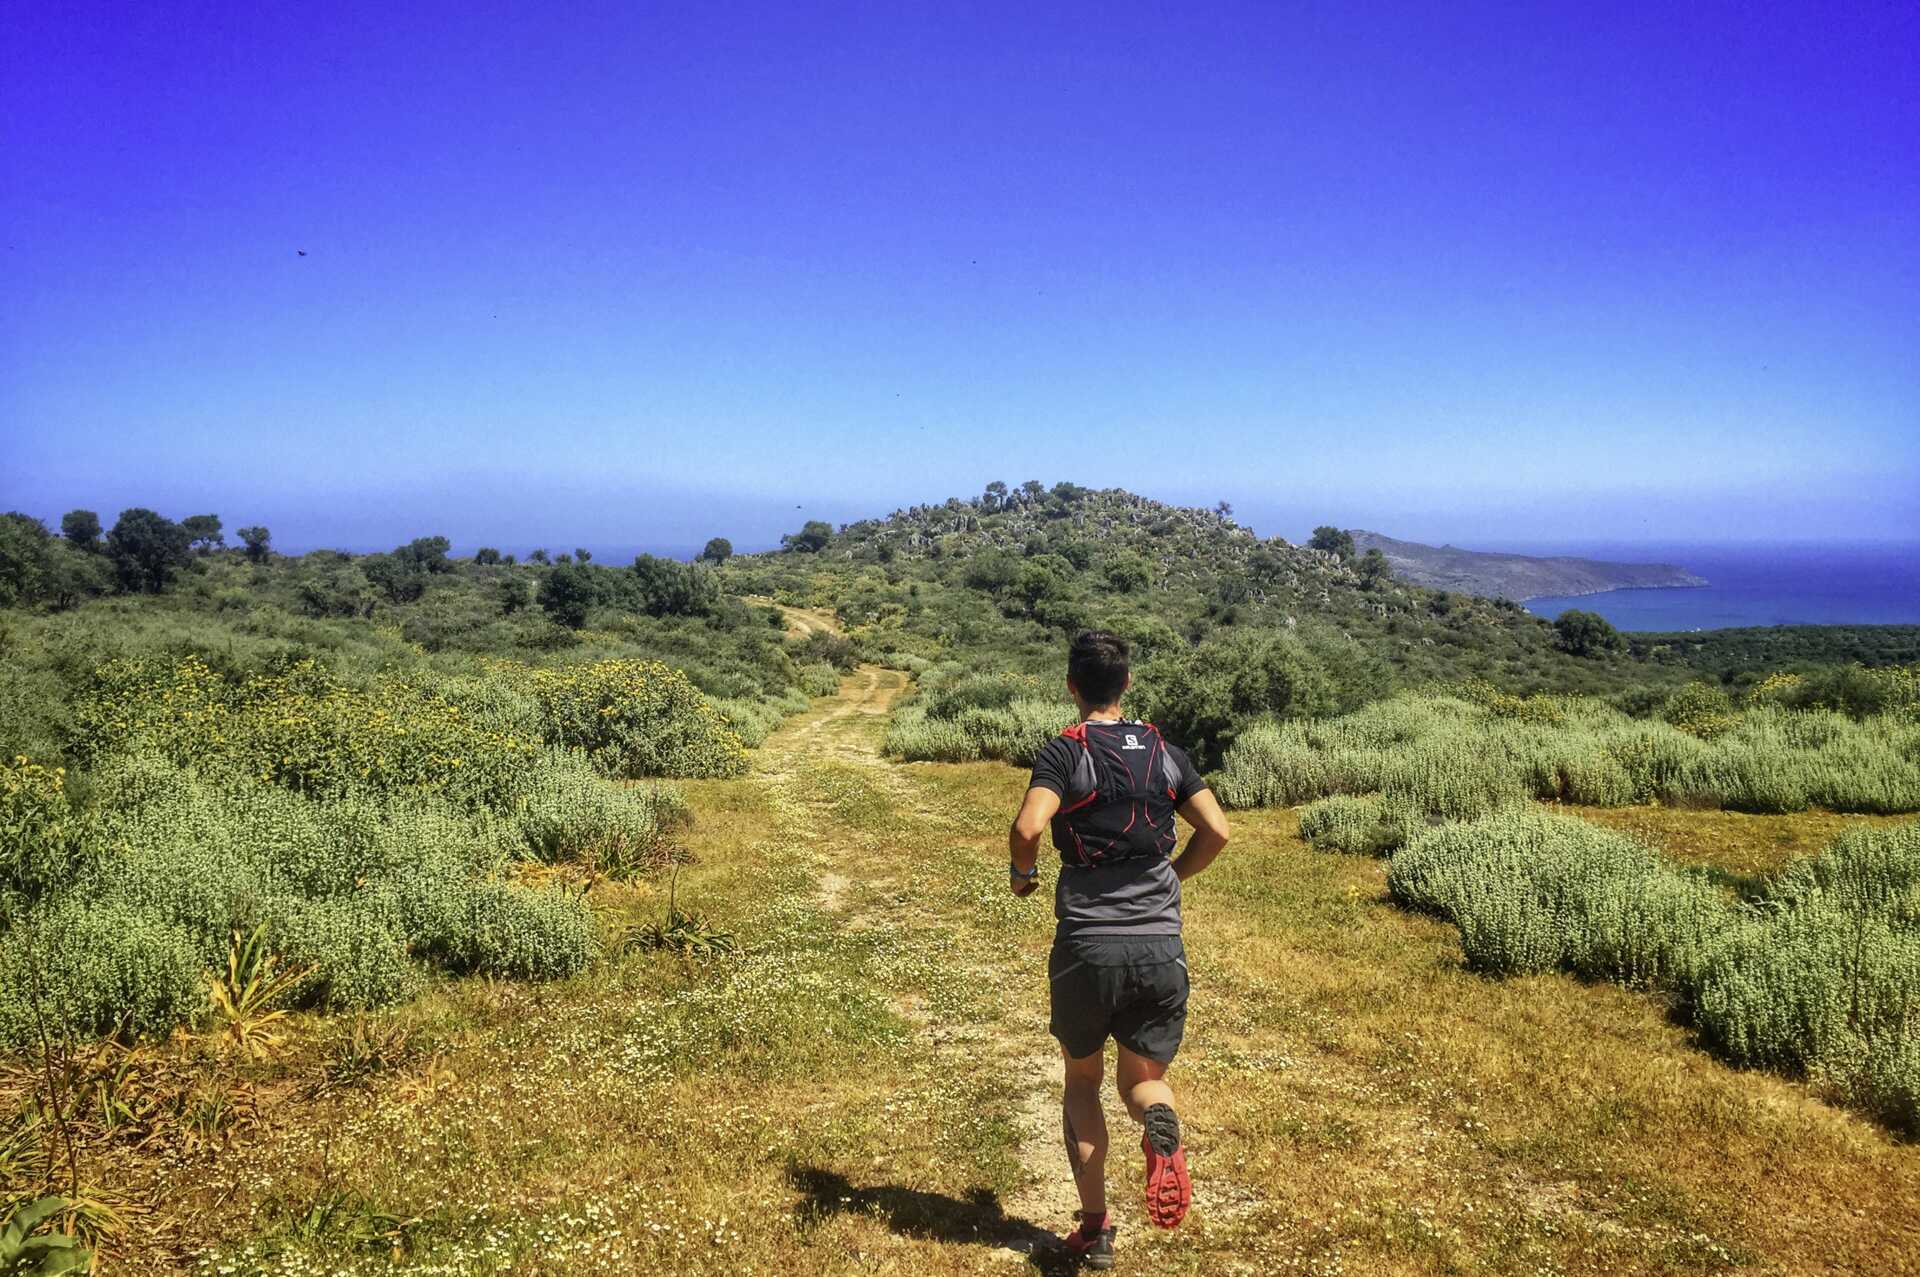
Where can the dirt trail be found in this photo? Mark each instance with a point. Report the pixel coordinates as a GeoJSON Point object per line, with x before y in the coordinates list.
{"type": "Point", "coordinates": [801, 621]}
{"type": "Point", "coordinates": [843, 734]}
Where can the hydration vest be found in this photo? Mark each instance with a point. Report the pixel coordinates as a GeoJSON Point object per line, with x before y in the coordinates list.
{"type": "Point", "coordinates": [1120, 795]}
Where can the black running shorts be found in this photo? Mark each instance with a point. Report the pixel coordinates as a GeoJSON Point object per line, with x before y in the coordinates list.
{"type": "Point", "coordinates": [1132, 989]}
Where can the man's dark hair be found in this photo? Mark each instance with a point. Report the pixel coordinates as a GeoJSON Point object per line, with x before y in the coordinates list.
{"type": "Point", "coordinates": [1097, 665]}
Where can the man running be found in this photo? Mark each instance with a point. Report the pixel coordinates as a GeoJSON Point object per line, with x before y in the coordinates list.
{"type": "Point", "coordinates": [1109, 788]}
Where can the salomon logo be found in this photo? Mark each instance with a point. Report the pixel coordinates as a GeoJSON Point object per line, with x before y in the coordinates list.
{"type": "Point", "coordinates": [1133, 742]}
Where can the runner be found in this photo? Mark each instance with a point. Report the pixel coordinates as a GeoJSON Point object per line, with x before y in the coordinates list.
{"type": "Point", "coordinates": [1109, 788]}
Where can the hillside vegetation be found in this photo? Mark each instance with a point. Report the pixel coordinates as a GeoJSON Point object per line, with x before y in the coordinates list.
{"type": "Point", "coordinates": [360, 766]}
{"type": "Point", "coordinates": [262, 816]}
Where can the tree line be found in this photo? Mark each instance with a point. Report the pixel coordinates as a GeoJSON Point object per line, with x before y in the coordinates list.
{"type": "Point", "coordinates": [141, 554]}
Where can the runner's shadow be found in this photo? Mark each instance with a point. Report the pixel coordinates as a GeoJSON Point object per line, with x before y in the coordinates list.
{"type": "Point", "coordinates": [976, 1218]}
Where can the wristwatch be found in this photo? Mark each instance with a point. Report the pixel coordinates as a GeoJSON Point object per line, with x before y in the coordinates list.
{"type": "Point", "coordinates": [1028, 876]}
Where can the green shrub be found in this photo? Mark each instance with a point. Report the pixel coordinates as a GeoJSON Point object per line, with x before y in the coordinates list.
{"type": "Point", "coordinates": [1371, 826]}
{"type": "Point", "coordinates": [753, 720]}
{"type": "Point", "coordinates": [1700, 709]}
{"type": "Point", "coordinates": [1457, 759]}
{"type": "Point", "coordinates": [301, 728]}
{"type": "Point", "coordinates": [1202, 697]}
{"type": "Point", "coordinates": [913, 736]}
{"type": "Point", "coordinates": [1854, 690]}
{"type": "Point", "coordinates": [96, 967]}
{"type": "Point", "coordinates": [352, 946]}
{"type": "Point", "coordinates": [526, 933]}
{"type": "Point", "coordinates": [1535, 892]}
{"type": "Point", "coordinates": [820, 679]}
{"type": "Point", "coordinates": [1451, 781]}
{"type": "Point", "coordinates": [993, 691]}
{"type": "Point", "coordinates": [1869, 872]}
{"type": "Point", "coordinates": [634, 718]}
{"type": "Point", "coordinates": [37, 851]}
{"type": "Point", "coordinates": [1816, 979]}
{"type": "Point", "coordinates": [1272, 765]}
{"type": "Point", "coordinates": [569, 814]}
{"type": "Point", "coordinates": [1825, 992]}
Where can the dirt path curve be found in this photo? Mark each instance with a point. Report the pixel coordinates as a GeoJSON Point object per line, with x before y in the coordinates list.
{"type": "Point", "coordinates": [801, 621]}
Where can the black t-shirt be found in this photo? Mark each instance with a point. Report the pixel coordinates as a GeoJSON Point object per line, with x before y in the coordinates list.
{"type": "Point", "coordinates": [1135, 897]}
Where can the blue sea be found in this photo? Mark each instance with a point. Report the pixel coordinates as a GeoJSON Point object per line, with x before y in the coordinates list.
{"type": "Point", "coordinates": [1756, 585]}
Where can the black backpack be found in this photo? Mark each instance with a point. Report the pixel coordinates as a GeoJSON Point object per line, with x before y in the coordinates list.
{"type": "Point", "coordinates": [1120, 798]}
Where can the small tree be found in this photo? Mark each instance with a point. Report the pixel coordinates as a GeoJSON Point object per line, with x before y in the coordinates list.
{"type": "Point", "coordinates": [810, 539]}
{"type": "Point", "coordinates": [1127, 572]}
{"type": "Point", "coordinates": [1224, 509]}
{"type": "Point", "coordinates": [24, 545]}
{"type": "Point", "coordinates": [1041, 580]}
{"type": "Point", "coordinates": [1586, 633]}
{"type": "Point", "coordinates": [1374, 569]}
{"type": "Point", "coordinates": [1204, 695]}
{"type": "Point", "coordinates": [259, 543]}
{"type": "Point", "coordinates": [401, 579]}
{"type": "Point", "coordinates": [426, 554]}
{"type": "Point", "coordinates": [995, 496]}
{"type": "Point", "coordinates": [486, 556]}
{"type": "Point", "coordinates": [566, 593]}
{"type": "Point", "coordinates": [82, 529]}
{"type": "Point", "coordinates": [203, 532]}
{"type": "Point", "coordinates": [667, 588]}
{"type": "Point", "coordinates": [990, 570]}
{"type": "Point", "coordinates": [582, 556]}
{"type": "Point", "coordinates": [538, 556]}
{"type": "Point", "coordinates": [73, 574]}
{"type": "Point", "coordinates": [512, 593]}
{"type": "Point", "coordinates": [1333, 541]}
{"type": "Point", "coordinates": [718, 550]}
{"type": "Point", "coordinates": [147, 550]}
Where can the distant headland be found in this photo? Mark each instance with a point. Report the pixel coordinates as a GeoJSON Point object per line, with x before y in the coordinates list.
{"type": "Point", "coordinates": [1517, 576]}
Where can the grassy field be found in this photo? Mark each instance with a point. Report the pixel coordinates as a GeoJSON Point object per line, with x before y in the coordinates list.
{"type": "Point", "coordinates": [866, 1086]}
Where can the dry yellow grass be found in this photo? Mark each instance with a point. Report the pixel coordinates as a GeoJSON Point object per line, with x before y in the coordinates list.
{"type": "Point", "coordinates": [855, 1093]}
{"type": "Point", "coordinates": [1730, 840]}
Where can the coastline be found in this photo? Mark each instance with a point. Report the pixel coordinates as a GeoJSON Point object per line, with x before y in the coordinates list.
{"type": "Point", "coordinates": [1615, 589]}
{"type": "Point", "coordinates": [1758, 586]}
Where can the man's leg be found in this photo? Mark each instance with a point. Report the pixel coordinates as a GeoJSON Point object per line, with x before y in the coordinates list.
{"type": "Point", "coordinates": [1142, 1085]}
{"type": "Point", "coordinates": [1141, 1082]}
{"type": "Point", "coordinates": [1084, 1128]}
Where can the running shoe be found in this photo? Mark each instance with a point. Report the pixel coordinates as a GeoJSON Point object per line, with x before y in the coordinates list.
{"type": "Point", "coordinates": [1092, 1242]}
{"type": "Point", "coordinates": [1169, 1191]}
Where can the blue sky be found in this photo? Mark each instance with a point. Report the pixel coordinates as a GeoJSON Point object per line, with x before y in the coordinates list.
{"type": "Point", "coordinates": [631, 274]}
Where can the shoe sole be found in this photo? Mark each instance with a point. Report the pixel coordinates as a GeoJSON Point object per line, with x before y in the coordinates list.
{"type": "Point", "coordinates": [1169, 1189]}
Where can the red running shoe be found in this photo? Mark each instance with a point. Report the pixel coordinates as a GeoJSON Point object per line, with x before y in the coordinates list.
{"type": "Point", "coordinates": [1092, 1243]}
{"type": "Point", "coordinates": [1169, 1191]}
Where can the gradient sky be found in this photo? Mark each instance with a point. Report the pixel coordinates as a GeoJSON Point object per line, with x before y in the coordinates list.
{"type": "Point", "coordinates": [638, 274]}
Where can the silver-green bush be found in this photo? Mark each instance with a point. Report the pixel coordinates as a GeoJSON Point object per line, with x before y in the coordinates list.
{"type": "Point", "coordinates": [1369, 826]}
{"type": "Point", "coordinates": [1817, 978]}
{"type": "Point", "coordinates": [1014, 732]}
{"type": "Point", "coordinates": [96, 967]}
{"type": "Point", "coordinates": [1457, 758]}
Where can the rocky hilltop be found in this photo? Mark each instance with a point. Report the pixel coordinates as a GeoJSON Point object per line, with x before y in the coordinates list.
{"type": "Point", "coordinates": [1517, 576]}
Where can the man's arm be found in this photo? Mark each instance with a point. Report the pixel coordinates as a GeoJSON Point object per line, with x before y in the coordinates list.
{"type": "Point", "coordinates": [1023, 838]}
{"type": "Point", "coordinates": [1209, 823]}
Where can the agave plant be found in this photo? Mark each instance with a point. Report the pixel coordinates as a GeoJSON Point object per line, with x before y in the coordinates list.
{"type": "Point", "coordinates": [243, 998]}
{"type": "Point", "coordinates": [24, 1251]}
{"type": "Point", "coordinates": [685, 933]}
